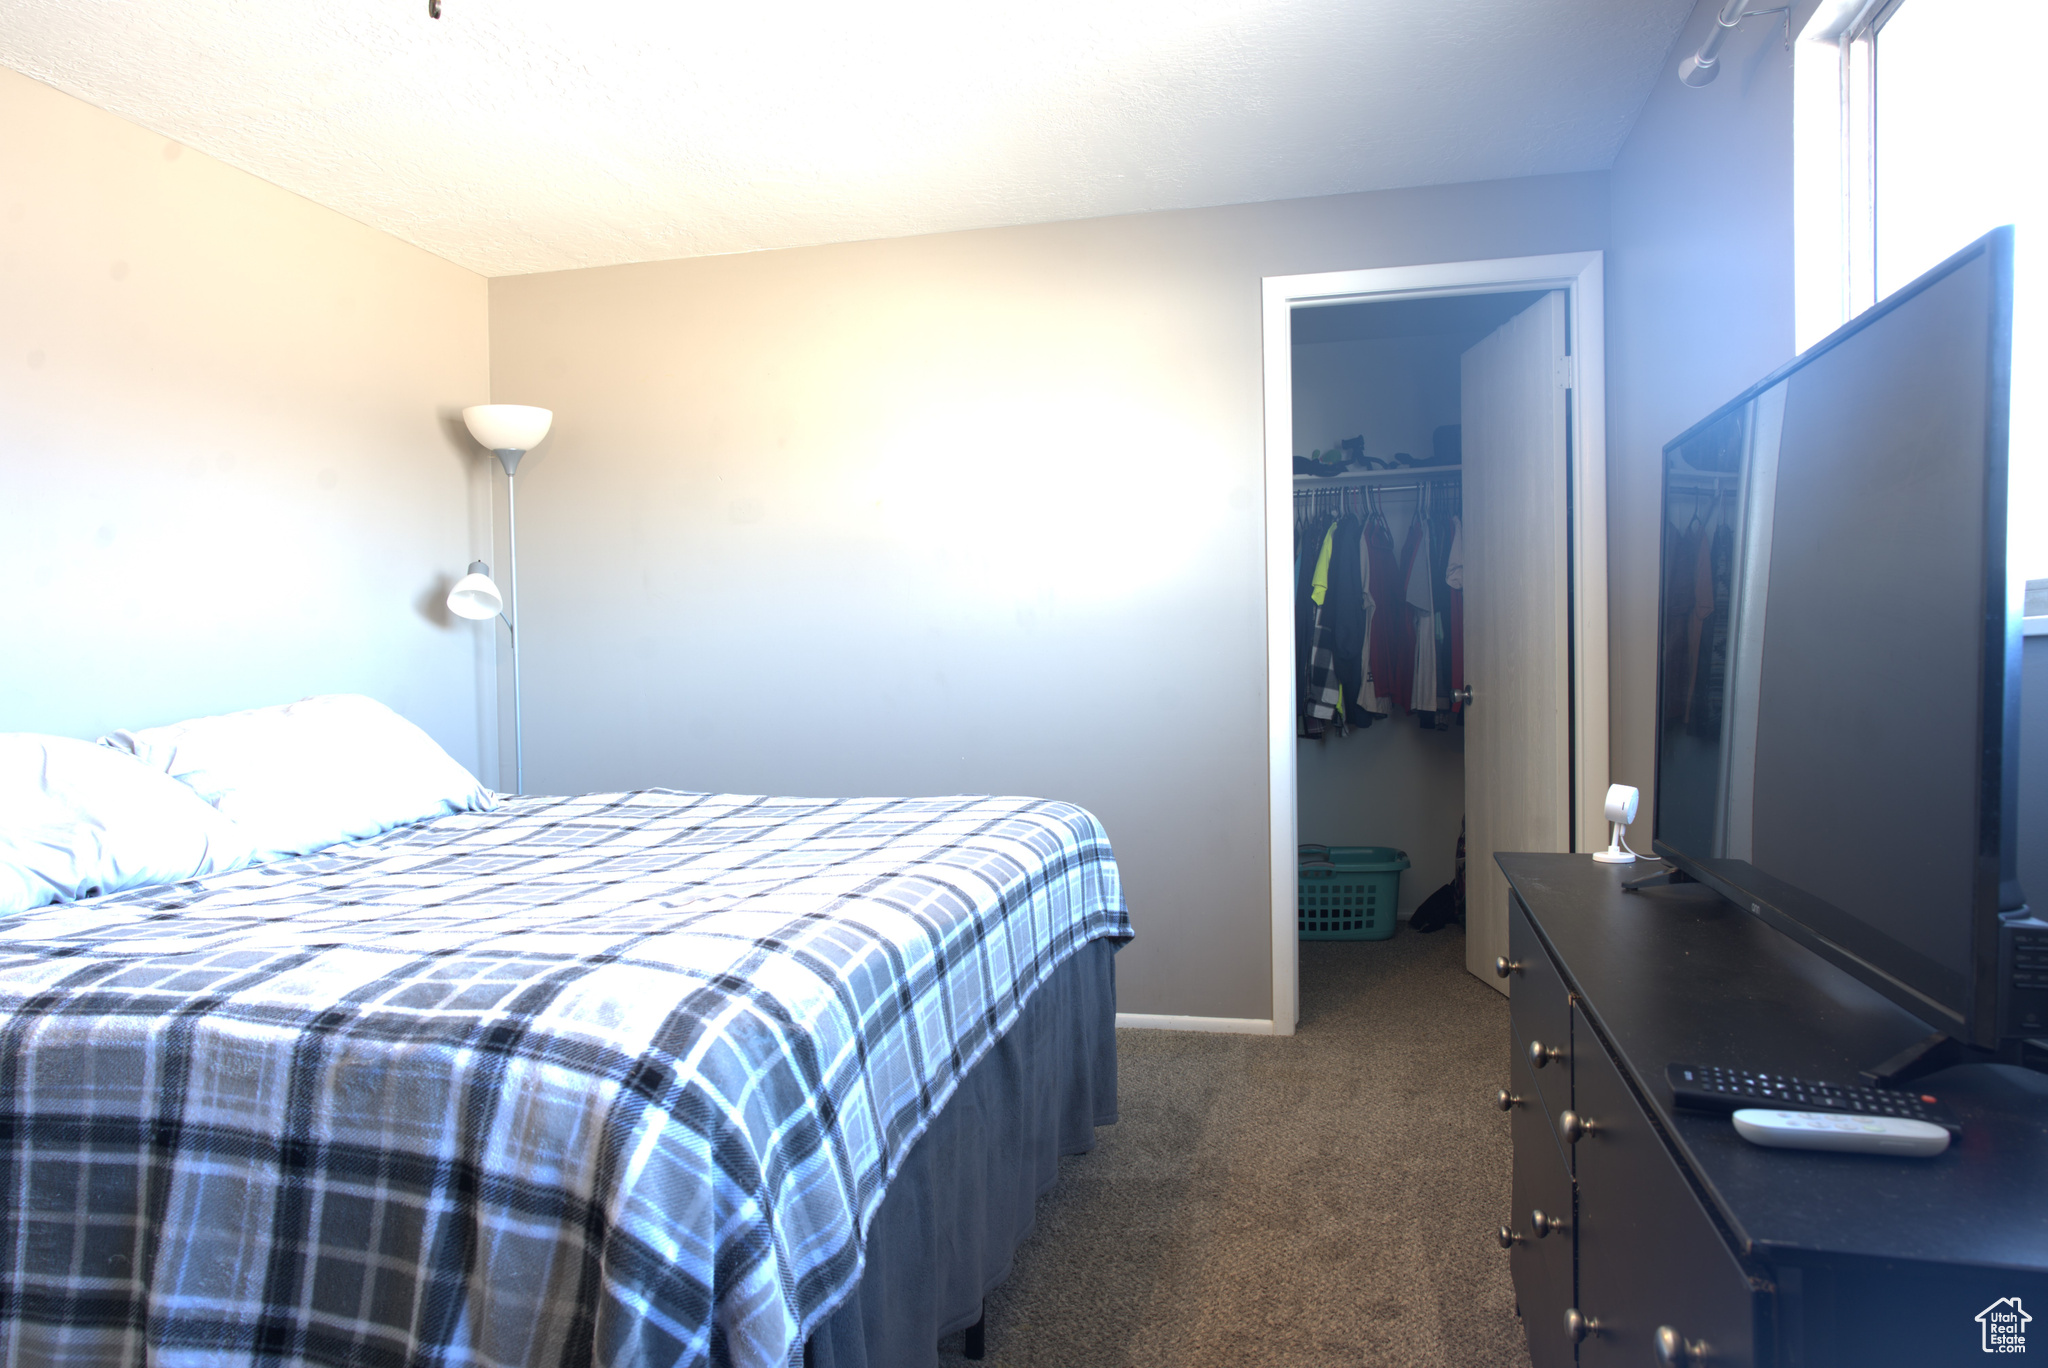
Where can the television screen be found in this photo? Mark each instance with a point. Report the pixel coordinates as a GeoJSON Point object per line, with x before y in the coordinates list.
{"type": "Point", "coordinates": [1838, 643]}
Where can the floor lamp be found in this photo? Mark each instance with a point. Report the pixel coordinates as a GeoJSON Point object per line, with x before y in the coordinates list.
{"type": "Point", "coordinates": [508, 431]}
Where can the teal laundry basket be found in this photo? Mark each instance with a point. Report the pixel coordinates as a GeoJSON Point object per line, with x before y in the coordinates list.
{"type": "Point", "coordinates": [1349, 892]}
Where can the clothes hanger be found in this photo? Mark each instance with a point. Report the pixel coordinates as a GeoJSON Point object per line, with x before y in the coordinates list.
{"type": "Point", "coordinates": [1699, 518]}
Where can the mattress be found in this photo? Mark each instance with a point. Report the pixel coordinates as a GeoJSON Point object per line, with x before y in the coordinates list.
{"type": "Point", "coordinates": [611, 1080]}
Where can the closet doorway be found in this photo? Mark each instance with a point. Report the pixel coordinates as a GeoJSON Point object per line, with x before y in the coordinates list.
{"type": "Point", "coordinates": [1529, 489]}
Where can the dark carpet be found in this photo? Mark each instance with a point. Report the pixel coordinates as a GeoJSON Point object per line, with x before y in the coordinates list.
{"type": "Point", "coordinates": [1328, 1198]}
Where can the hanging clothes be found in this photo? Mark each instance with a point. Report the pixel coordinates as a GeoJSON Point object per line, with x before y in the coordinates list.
{"type": "Point", "coordinates": [1704, 719]}
{"type": "Point", "coordinates": [1421, 598]}
{"type": "Point", "coordinates": [1404, 626]}
{"type": "Point", "coordinates": [1376, 630]}
{"type": "Point", "coordinates": [1440, 616]}
{"type": "Point", "coordinates": [1325, 697]}
{"type": "Point", "coordinates": [1344, 610]}
{"type": "Point", "coordinates": [1702, 569]}
{"type": "Point", "coordinates": [1383, 650]}
{"type": "Point", "coordinates": [1681, 550]}
{"type": "Point", "coordinates": [1310, 533]}
{"type": "Point", "coordinates": [1370, 703]}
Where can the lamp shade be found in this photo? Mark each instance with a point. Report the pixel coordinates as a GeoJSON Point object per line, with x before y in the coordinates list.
{"type": "Point", "coordinates": [508, 427]}
{"type": "Point", "coordinates": [475, 596]}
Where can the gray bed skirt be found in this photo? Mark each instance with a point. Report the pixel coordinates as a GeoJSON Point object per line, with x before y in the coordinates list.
{"type": "Point", "coordinates": [964, 1199]}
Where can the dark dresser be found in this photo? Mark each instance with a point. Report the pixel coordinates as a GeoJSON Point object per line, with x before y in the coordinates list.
{"type": "Point", "coordinates": [1642, 1235]}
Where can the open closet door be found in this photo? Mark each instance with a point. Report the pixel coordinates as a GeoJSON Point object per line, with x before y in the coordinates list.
{"type": "Point", "coordinates": [1518, 742]}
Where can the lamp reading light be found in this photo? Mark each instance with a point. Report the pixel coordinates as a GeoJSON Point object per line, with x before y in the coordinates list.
{"type": "Point", "coordinates": [475, 596]}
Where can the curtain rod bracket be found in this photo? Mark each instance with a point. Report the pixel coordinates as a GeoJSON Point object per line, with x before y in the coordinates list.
{"type": "Point", "coordinates": [1704, 65]}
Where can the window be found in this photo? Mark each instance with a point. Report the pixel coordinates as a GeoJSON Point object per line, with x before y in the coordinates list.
{"type": "Point", "coordinates": [1919, 126]}
{"type": "Point", "coordinates": [1959, 120]}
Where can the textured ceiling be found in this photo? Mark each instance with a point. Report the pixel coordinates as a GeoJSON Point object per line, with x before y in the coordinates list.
{"type": "Point", "coordinates": [534, 135]}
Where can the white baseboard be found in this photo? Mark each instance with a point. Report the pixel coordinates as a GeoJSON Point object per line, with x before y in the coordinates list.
{"type": "Point", "coordinates": [1146, 1021]}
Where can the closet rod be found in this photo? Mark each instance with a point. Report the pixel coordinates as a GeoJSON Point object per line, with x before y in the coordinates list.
{"type": "Point", "coordinates": [1376, 488]}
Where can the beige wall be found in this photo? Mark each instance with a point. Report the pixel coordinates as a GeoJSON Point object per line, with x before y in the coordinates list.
{"type": "Point", "coordinates": [1699, 306]}
{"type": "Point", "coordinates": [228, 475]}
{"type": "Point", "coordinates": [972, 512]}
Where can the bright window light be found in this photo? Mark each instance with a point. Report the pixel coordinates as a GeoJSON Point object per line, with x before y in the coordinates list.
{"type": "Point", "coordinates": [1960, 145]}
{"type": "Point", "coordinates": [1959, 149]}
{"type": "Point", "coordinates": [1956, 139]}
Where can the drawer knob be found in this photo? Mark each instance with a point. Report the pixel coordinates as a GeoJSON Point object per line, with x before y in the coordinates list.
{"type": "Point", "coordinates": [1676, 1351]}
{"type": "Point", "coordinates": [1507, 1237]}
{"type": "Point", "coordinates": [1506, 1100]}
{"type": "Point", "coordinates": [1574, 1127]}
{"type": "Point", "coordinates": [1503, 966]}
{"type": "Point", "coordinates": [1543, 1224]}
{"type": "Point", "coordinates": [1541, 1054]}
{"type": "Point", "coordinates": [1578, 1325]}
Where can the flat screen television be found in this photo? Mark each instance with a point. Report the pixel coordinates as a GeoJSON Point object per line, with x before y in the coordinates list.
{"type": "Point", "coordinates": [1839, 653]}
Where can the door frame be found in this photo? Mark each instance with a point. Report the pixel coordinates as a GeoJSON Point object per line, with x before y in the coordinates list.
{"type": "Point", "coordinates": [1580, 275]}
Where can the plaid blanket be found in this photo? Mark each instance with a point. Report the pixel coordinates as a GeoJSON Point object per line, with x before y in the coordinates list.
{"type": "Point", "coordinates": [609, 1080]}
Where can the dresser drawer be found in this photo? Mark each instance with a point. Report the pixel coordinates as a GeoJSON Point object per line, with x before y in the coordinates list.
{"type": "Point", "coordinates": [1540, 1011]}
{"type": "Point", "coordinates": [1532, 1111]}
{"type": "Point", "coordinates": [1540, 1256]}
{"type": "Point", "coordinates": [1651, 1260]}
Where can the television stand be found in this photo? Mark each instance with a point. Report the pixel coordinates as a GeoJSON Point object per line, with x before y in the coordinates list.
{"type": "Point", "coordinates": [1673, 875]}
{"type": "Point", "coordinates": [1937, 1052]}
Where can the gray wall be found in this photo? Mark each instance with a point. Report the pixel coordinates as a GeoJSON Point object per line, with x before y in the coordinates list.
{"type": "Point", "coordinates": [1699, 306]}
{"type": "Point", "coordinates": [1393, 391]}
{"type": "Point", "coordinates": [230, 472]}
{"type": "Point", "coordinates": [970, 512]}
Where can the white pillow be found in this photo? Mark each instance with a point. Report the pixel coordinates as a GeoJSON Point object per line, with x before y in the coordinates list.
{"type": "Point", "coordinates": [77, 820]}
{"type": "Point", "coordinates": [311, 773]}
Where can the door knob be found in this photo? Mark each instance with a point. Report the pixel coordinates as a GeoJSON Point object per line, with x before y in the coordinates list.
{"type": "Point", "coordinates": [1463, 695]}
{"type": "Point", "coordinates": [1578, 1325]}
{"type": "Point", "coordinates": [1506, 1100]}
{"type": "Point", "coordinates": [1543, 1224]}
{"type": "Point", "coordinates": [1676, 1351]}
{"type": "Point", "coordinates": [1574, 1127]}
{"type": "Point", "coordinates": [1507, 1237]}
{"type": "Point", "coordinates": [1503, 966]}
{"type": "Point", "coordinates": [1541, 1054]}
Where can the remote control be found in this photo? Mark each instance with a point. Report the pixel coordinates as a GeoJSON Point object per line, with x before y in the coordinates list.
{"type": "Point", "coordinates": [1836, 1131]}
{"type": "Point", "coordinates": [1706, 1087]}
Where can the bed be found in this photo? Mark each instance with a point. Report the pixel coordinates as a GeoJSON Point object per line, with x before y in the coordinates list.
{"type": "Point", "coordinates": [621, 1079]}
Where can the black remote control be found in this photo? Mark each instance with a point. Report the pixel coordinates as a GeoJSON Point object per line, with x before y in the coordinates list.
{"type": "Point", "coordinates": [1708, 1087]}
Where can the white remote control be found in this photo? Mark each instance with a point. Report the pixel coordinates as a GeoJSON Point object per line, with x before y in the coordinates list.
{"type": "Point", "coordinates": [1841, 1131]}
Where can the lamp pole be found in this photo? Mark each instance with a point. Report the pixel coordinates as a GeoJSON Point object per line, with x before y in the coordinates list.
{"type": "Point", "coordinates": [507, 431]}
{"type": "Point", "coordinates": [511, 460]}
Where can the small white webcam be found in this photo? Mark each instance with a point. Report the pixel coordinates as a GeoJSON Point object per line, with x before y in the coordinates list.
{"type": "Point", "coordinates": [1621, 810]}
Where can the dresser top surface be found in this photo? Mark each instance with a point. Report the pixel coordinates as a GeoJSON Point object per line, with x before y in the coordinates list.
{"type": "Point", "coordinates": [1678, 975]}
